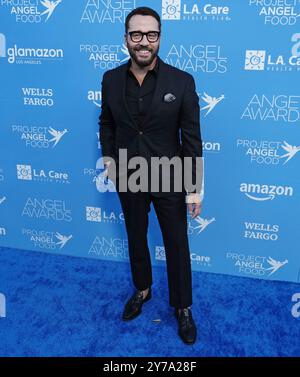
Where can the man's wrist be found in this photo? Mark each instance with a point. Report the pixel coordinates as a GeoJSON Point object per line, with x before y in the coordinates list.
{"type": "Point", "coordinates": [193, 197]}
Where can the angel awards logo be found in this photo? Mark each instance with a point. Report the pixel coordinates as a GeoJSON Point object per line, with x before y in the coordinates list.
{"type": "Point", "coordinates": [106, 11]}
{"type": "Point", "coordinates": [198, 58]}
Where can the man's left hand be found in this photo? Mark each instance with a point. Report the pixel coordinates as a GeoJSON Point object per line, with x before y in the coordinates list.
{"type": "Point", "coordinates": [194, 204]}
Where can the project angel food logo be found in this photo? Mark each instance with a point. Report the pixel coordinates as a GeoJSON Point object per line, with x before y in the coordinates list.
{"type": "Point", "coordinates": [260, 60]}
{"type": "Point", "coordinates": [105, 56]}
{"type": "Point", "coordinates": [31, 11]}
{"type": "Point", "coordinates": [109, 248]}
{"type": "Point", "coordinates": [266, 152]}
{"type": "Point", "coordinates": [29, 173]}
{"type": "Point", "coordinates": [276, 108]}
{"type": "Point", "coordinates": [196, 259]}
{"type": "Point", "coordinates": [258, 231]}
{"type": "Point", "coordinates": [198, 224]}
{"type": "Point", "coordinates": [277, 12]}
{"type": "Point", "coordinates": [39, 136]}
{"type": "Point", "coordinates": [194, 11]}
{"type": "Point", "coordinates": [2, 177]}
{"type": "Point", "coordinates": [29, 55]}
{"type": "Point", "coordinates": [261, 192]}
{"type": "Point", "coordinates": [2, 199]}
{"type": "Point", "coordinates": [97, 177]}
{"type": "Point", "coordinates": [106, 11]}
{"type": "Point", "coordinates": [44, 239]}
{"type": "Point", "coordinates": [100, 215]}
{"type": "Point", "coordinates": [197, 58]}
{"type": "Point", "coordinates": [47, 209]}
{"type": "Point", "coordinates": [210, 102]}
{"type": "Point", "coordinates": [255, 265]}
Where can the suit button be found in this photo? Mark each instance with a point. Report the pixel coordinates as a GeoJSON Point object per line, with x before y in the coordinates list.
{"type": "Point", "coordinates": [140, 99]}
{"type": "Point", "coordinates": [141, 132]}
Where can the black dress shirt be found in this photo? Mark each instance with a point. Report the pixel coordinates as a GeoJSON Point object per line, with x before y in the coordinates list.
{"type": "Point", "coordinates": [139, 97]}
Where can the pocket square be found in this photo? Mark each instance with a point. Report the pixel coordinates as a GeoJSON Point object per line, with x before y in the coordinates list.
{"type": "Point", "coordinates": [169, 97]}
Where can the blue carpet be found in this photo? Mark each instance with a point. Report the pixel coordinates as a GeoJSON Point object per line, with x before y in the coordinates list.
{"type": "Point", "coordinates": [66, 306]}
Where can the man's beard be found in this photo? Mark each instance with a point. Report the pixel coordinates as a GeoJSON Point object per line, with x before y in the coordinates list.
{"type": "Point", "coordinates": [142, 61]}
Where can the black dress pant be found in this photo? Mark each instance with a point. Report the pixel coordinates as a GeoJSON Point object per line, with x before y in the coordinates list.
{"type": "Point", "coordinates": [172, 217]}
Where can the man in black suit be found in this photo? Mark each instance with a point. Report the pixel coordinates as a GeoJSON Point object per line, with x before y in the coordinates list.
{"type": "Point", "coordinates": [147, 106]}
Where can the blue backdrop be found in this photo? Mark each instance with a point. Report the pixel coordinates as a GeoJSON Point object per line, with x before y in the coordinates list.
{"type": "Point", "coordinates": [245, 58]}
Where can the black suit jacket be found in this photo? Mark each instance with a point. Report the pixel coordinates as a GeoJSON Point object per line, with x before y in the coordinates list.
{"type": "Point", "coordinates": [169, 128]}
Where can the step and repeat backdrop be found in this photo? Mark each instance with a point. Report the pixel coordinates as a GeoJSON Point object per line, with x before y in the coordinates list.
{"type": "Point", "coordinates": [245, 58]}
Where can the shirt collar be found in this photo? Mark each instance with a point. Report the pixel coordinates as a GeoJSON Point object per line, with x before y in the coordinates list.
{"type": "Point", "coordinates": [154, 70]}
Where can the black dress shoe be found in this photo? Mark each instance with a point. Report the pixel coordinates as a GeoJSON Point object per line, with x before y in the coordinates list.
{"type": "Point", "coordinates": [134, 305]}
{"type": "Point", "coordinates": [186, 326]}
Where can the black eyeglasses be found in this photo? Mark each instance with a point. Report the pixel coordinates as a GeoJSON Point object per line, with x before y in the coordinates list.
{"type": "Point", "coordinates": [137, 36]}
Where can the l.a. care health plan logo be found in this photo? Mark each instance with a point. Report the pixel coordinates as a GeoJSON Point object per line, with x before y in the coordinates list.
{"type": "Point", "coordinates": [29, 173]}
{"type": "Point", "coordinates": [196, 259]}
{"type": "Point", "coordinates": [180, 10]}
{"type": "Point", "coordinates": [255, 60]}
{"type": "Point", "coordinates": [31, 11]}
{"type": "Point", "coordinates": [99, 214]}
{"type": "Point", "coordinates": [260, 60]}
{"type": "Point", "coordinates": [171, 9]}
